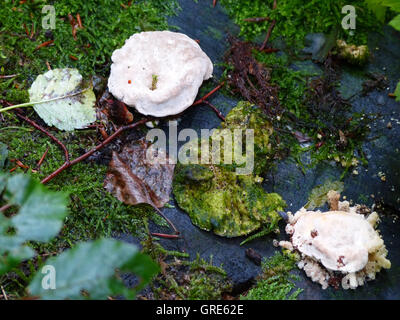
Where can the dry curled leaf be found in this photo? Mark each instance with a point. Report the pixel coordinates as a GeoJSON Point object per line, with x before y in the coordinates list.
{"type": "Point", "coordinates": [135, 178]}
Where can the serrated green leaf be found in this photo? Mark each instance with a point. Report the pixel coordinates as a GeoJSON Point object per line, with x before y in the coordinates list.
{"type": "Point", "coordinates": [91, 266]}
{"type": "Point", "coordinates": [395, 23]}
{"type": "Point", "coordinates": [75, 109]}
{"type": "Point", "coordinates": [39, 218]}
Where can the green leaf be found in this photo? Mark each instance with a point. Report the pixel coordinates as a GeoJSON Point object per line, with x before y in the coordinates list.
{"type": "Point", "coordinates": [397, 92]}
{"type": "Point", "coordinates": [318, 195]}
{"type": "Point", "coordinates": [395, 23]}
{"type": "Point", "coordinates": [39, 218]}
{"type": "Point", "coordinates": [377, 8]}
{"type": "Point", "coordinates": [73, 105]}
{"type": "Point", "coordinates": [91, 267]}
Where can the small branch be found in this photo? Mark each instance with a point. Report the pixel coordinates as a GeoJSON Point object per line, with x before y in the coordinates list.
{"type": "Point", "coordinates": [271, 27]}
{"type": "Point", "coordinates": [201, 100]}
{"type": "Point", "coordinates": [204, 100]}
{"type": "Point", "coordinates": [219, 113]}
{"type": "Point", "coordinates": [68, 164]}
{"type": "Point", "coordinates": [44, 44]}
{"type": "Point", "coordinates": [35, 125]}
{"type": "Point", "coordinates": [4, 293]}
{"type": "Point", "coordinates": [214, 3]}
{"type": "Point", "coordinates": [166, 219]}
{"type": "Point", "coordinates": [8, 76]}
{"type": "Point", "coordinates": [42, 159]}
{"type": "Point", "coordinates": [163, 235]}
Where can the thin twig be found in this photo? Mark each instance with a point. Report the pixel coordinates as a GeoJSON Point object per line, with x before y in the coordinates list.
{"type": "Point", "coordinates": [35, 125]}
{"type": "Point", "coordinates": [219, 113]}
{"type": "Point", "coordinates": [214, 3]}
{"type": "Point", "coordinates": [42, 159]}
{"type": "Point", "coordinates": [44, 44]}
{"type": "Point", "coordinates": [166, 219]}
{"type": "Point", "coordinates": [201, 100]}
{"type": "Point", "coordinates": [270, 28]}
{"type": "Point", "coordinates": [68, 164]}
{"type": "Point", "coordinates": [8, 76]}
{"type": "Point", "coordinates": [4, 293]}
{"type": "Point", "coordinates": [163, 235]}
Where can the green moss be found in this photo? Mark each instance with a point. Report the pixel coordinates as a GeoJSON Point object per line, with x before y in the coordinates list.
{"type": "Point", "coordinates": [106, 26]}
{"type": "Point", "coordinates": [93, 211]}
{"type": "Point", "coordinates": [296, 18]}
{"type": "Point", "coordinates": [295, 96]}
{"type": "Point", "coordinates": [275, 282]}
{"type": "Point", "coordinates": [192, 280]}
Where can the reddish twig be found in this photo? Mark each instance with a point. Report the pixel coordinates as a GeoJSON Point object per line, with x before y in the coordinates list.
{"type": "Point", "coordinates": [68, 164]}
{"type": "Point", "coordinates": [270, 28]}
{"type": "Point", "coordinates": [201, 100]}
{"type": "Point", "coordinates": [214, 3]}
{"type": "Point", "coordinates": [74, 24]}
{"type": "Point", "coordinates": [44, 44]}
{"type": "Point", "coordinates": [32, 32]}
{"type": "Point", "coordinates": [219, 113]}
{"type": "Point", "coordinates": [26, 30]}
{"type": "Point", "coordinates": [38, 127]}
{"type": "Point", "coordinates": [204, 100]}
{"type": "Point", "coordinates": [42, 159]}
{"type": "Point", "coordinates": [166, 219]}
{"type": "Point", "coordinates": [78, 18]}
{"type": "Point", "coordinates": [73, 57]}
{"type": "Point", "coordinates": [163, 235]}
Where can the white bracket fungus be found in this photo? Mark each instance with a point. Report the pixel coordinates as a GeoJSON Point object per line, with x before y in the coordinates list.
{"type": "Point", "coordinates": [159, 72]}
{"type": "Point", "coordinates": [341, 241]}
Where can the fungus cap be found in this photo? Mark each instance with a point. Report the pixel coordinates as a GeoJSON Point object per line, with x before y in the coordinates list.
{"type": "Point", "coordinates": [340, 240]}
{"type": "Point", "coordinates": [158, 72]}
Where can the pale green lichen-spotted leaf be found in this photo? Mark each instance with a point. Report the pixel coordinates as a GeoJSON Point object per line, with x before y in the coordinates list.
{"type": "Point", "coordinates": [397, 92]}
{"type": "Point", "coordinates": [319, 195]}
{"type": "Point", "coordinates": [90, 267]}
{"type": "Point", "coordinates": [74, 111]}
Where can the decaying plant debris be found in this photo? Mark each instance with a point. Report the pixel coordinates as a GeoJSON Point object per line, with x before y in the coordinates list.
{"type": "Point", "coordinates": [250, 78]}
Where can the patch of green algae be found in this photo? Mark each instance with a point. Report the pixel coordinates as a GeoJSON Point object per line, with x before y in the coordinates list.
{"type": "Point", "coordinates": [217, 198]}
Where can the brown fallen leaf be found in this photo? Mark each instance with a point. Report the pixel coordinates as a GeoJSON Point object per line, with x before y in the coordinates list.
{"type": "Point", "coordinates": [133, 178]}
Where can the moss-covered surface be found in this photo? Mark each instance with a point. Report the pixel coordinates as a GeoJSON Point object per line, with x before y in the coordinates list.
{"type": "Point", "coordinates": [106, 25]}
{"type": "Point", "coordinates": [296, 18]}
{"type": "Point", "coordinates": [315, 111]}
{"type": "Point", "coordinates": [181, 278]}
{"type": "Point", "coordinates": [275, 282]}
{"type": "Point", "coordinates": [217, 198]}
